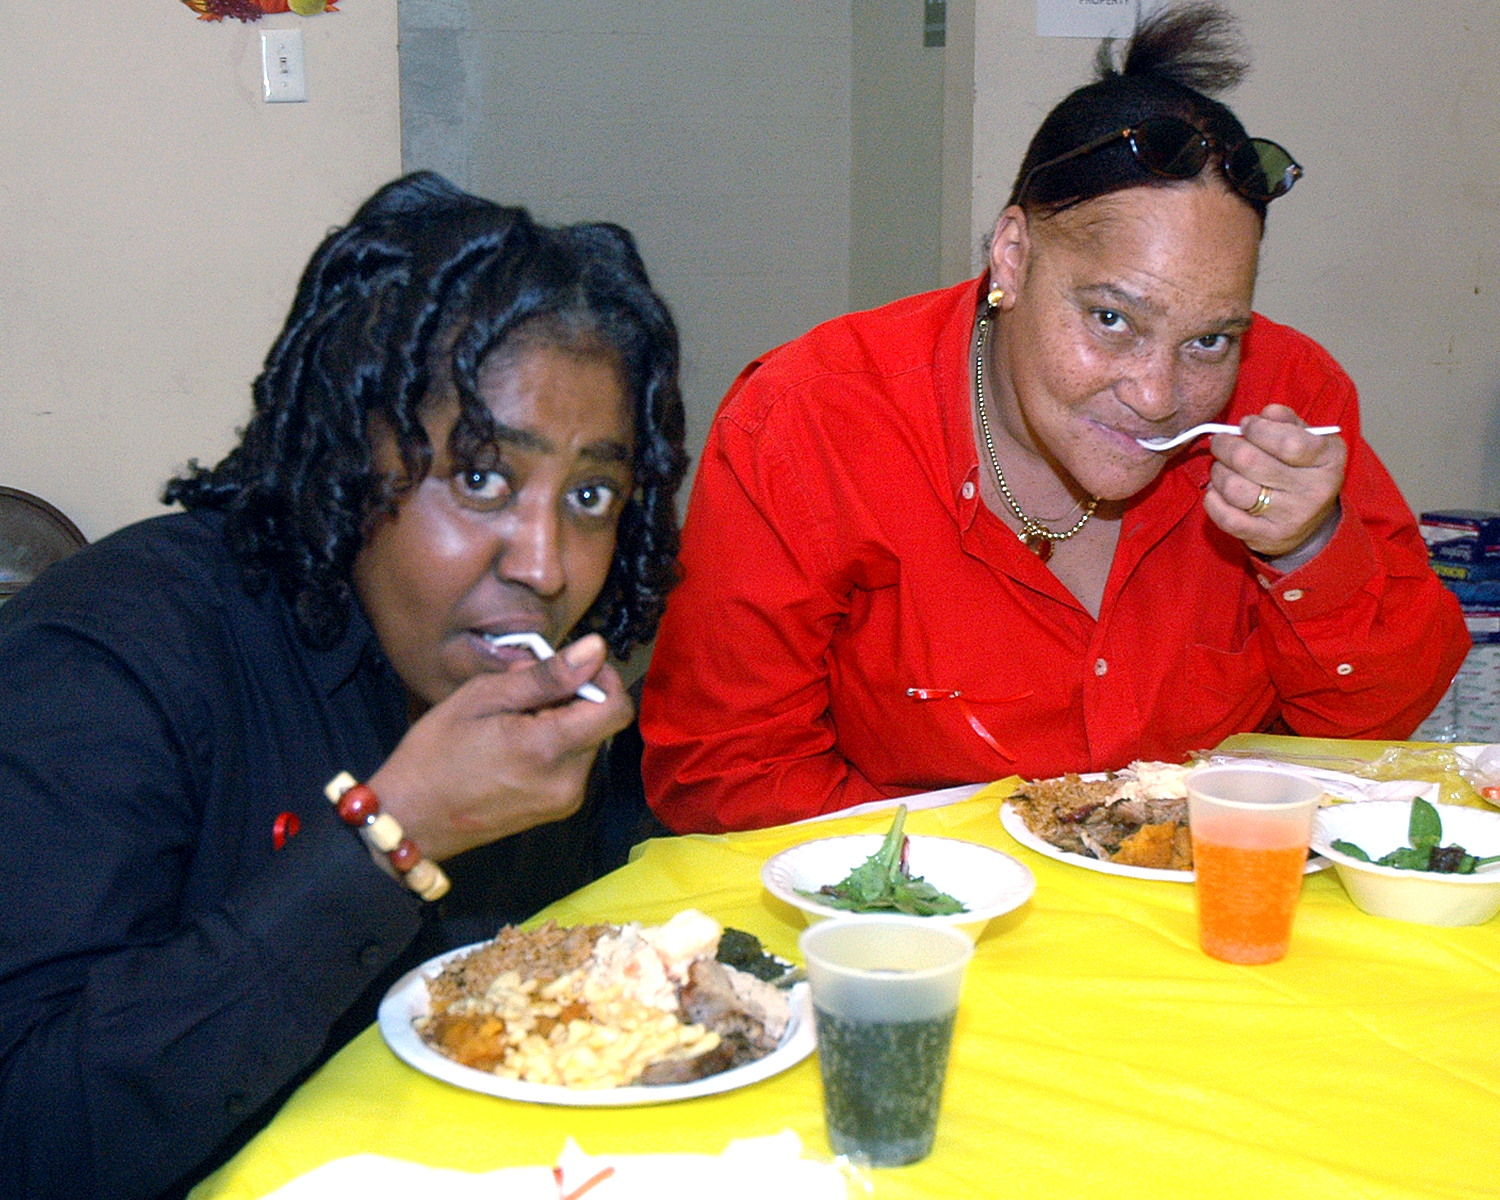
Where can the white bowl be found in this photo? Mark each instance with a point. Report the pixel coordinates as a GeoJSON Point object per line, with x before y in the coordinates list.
{"type": "Point", "coordinates": [986, 882]}
{"type": "Point", "coordinates": [1379, 826]}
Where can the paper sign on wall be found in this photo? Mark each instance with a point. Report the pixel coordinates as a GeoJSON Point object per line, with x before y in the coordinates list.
{"type": "Point", "coordinates": [1090, 18]}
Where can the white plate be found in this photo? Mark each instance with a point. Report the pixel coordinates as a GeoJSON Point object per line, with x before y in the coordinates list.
{"type": "Point", "coordinates": [407, 1000]}
{"type": "Point", "coordinates": [1010, 819]}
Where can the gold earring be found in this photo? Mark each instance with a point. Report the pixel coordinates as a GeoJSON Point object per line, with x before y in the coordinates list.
{"type": "Point", "coordinates": [996, 295]}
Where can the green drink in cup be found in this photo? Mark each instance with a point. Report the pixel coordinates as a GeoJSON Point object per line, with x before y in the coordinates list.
{"type": "Point", "coordinates": [885, 995]}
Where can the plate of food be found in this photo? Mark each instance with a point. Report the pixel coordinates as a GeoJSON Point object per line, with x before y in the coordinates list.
{"type": "Point", "coordinates": [1131, 822]}
{"type": "Point", "coordinates": [601, 1015]}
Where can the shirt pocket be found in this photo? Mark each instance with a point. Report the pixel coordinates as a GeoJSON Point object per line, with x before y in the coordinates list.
{"type": "Point", "coordinates": [1225, 691]}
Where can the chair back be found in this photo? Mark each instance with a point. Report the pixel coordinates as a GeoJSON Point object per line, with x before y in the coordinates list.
{"type": "Point", "coordinates": [33, 536]}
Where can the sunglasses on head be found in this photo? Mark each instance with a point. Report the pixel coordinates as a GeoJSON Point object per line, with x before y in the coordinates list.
{"type": "Point", "coordinates": [1257, 169]}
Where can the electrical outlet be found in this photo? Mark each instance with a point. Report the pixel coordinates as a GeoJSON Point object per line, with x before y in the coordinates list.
{"type": "Point", "coordinates": [283, 69]}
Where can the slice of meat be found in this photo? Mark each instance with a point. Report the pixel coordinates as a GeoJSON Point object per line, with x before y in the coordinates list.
{"type": "Point", "coordinates": [1149, 811]}
{"type": "Point", "coordinates": [709, 998]}
{"type": "Point", "coordinates": [733, 1005]}
{"type": "Point", "coordinates": [686, 1070]}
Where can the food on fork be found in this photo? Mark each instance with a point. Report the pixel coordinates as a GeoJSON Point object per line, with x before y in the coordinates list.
{"type": "Point", "coordinates": [1136, 817]}
{"type": "Point", "coordinates": [602, 1006]}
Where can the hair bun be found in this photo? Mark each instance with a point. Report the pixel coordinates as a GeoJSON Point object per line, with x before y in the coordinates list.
{"type": "Point", "coordinates": [1194, 45]}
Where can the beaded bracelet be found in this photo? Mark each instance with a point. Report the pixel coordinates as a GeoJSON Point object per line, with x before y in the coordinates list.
{"type": "Point", "coordinates": [358, 807]}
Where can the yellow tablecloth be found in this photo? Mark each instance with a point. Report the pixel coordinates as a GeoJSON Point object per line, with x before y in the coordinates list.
{"type": "Point", "coordinates": [1098, 1052]}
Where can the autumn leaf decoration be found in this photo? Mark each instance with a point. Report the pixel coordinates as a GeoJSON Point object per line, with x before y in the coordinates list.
{"type": "Point", "coordinates": [254, 10]}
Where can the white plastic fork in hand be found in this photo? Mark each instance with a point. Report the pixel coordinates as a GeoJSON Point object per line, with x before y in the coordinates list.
{"type": "Point", "coordinates": [1187, 435]}
{"type": "Point", "coordinates": [543, 650]}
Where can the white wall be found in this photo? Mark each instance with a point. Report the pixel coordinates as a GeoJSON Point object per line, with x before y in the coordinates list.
{"type": "Point", "coordinates": [718, 132]}
{"type": "Point", "coordinates": [896, 146]}
{"type": "Point", "coordinates": [154, 213]}
{"type": "Point", "coordinates": [1388, 252]}
{"type": "Point", "coordinates": [959, 252]}
{"type": "Point", "coordinates": [154, 217]}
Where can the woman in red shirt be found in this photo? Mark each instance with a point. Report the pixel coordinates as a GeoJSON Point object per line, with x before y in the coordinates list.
{"type": "Point", "coordinates": [926, 548]}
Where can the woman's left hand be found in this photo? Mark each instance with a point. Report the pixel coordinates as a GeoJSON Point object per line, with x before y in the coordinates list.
{"type": "Point", "coordinates": [1276, 487]}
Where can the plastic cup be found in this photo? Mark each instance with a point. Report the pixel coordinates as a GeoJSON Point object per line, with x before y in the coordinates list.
{"type": "Point", "coordinates": [1251, 827]}
{"type": "Point", "coordinates": [885, 995]}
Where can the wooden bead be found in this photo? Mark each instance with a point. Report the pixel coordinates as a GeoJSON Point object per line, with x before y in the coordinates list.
{"type": "Point", "coordinates": [428, 880]}
{"type": "Point", "coordinates": [358, 805]}
{"type": "Point", "coordinates": [384, 833]}
{"type": "Point", "coordinates": [338, 785]}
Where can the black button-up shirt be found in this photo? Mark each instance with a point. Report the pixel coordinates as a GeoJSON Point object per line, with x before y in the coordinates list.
{"type": "Point", "coordinates": [167, 974]}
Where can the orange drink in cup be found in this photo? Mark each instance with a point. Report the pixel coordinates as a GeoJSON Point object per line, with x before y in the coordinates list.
{"type": "Point", "coordinates": [1251, 827]}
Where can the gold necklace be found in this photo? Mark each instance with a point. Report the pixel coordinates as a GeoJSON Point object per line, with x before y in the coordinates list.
{"type": "Point", "coordinates": [1035, 536]}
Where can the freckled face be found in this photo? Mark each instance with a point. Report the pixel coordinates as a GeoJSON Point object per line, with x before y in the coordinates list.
{"type": "Point", "coordinates": [1128, 317]}
{"type": "Point", "coordinates": [521, 541]}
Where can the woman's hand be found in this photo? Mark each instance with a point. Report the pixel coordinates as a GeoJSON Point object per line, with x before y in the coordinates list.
{"type": "Point", "coordinates": [504, 752]}
{"type": "Point", "coordinates": [1276, 488]}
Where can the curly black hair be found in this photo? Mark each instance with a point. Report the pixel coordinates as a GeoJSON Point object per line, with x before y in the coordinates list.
{"type": "Point", "coordinates": [414, 292]}
{"type": "Point", "coordinates": [1176, 57]}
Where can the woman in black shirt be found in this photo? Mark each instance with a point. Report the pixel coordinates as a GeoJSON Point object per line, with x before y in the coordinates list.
{"type": "Point", "coordinates": [469, 427]}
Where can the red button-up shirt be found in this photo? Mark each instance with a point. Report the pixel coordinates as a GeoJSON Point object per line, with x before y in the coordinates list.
{"type": "Point", "coordinates": [853, 623]}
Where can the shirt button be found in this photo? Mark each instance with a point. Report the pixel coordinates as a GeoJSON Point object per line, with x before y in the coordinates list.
{"type": "Point", "coordinates": [371, 954]}
{"type": "Point", "coordinates": [1100, 666]}
{"type": "Point", "coordinates": [1264, 582]}
{"type": "Point", "coordinates": [1292, 594]}
{"type": "Point", "coordinates": [967, 489]}
{"type": "Point", "coordinates": [1344, 669]}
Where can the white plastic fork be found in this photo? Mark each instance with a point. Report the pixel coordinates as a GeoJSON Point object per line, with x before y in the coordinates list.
{"type": "Point", "coordinates": [543, 650]}
{"type": "Point", "coordinates": [1187, 435]}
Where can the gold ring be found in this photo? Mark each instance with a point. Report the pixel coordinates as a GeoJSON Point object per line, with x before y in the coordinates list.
{"type": "Point", "coordinates": [1262, 502]}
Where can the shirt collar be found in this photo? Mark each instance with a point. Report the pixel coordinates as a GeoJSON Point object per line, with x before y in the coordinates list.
{"type": "Point", "coordinates": [952, 370]}
{"type": "Point", "coordinates": [356, 649]}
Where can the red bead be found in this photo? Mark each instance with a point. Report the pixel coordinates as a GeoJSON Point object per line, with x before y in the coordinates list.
{"type": "Point", "coordinates": [358, 805]}
{"type": "Point", "coordinates": [284, 828]}
{"type": "Point", "coordinates": [405, 856]}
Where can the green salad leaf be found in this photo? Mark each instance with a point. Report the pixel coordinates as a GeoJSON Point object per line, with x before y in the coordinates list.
{"type": "Point", "coordinates": [1426, 853]}
{"type": "Point", "coordinates": [1425, 827]}
{"type": "Point", "coordinates": [882, 883]}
